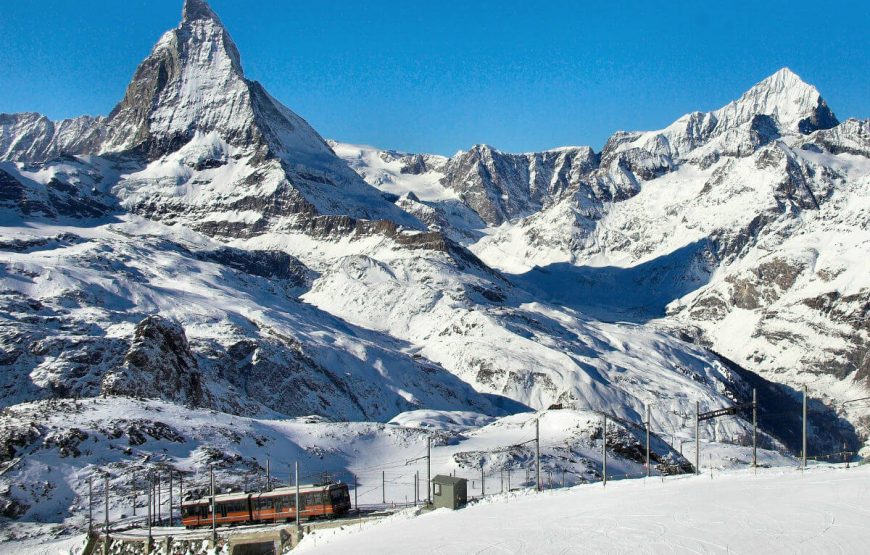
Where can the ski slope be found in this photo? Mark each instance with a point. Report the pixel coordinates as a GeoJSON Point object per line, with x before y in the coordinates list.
{"type": "Point", "coordinates": [782, 510]}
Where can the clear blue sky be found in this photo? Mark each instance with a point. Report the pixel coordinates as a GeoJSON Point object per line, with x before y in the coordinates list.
{"type": "Point", "coordinates": [441, 76]}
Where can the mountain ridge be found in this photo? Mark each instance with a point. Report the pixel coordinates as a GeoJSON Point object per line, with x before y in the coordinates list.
{"type": "Point", "coordinates": [275, 295]}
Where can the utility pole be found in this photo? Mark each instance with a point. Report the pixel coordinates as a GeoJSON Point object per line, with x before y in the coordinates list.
{"type": "Point", "coordinates": [134, 493]}
{"type": "Point", "coordinates": [106, 524]}
{"type": "Point", "coordinates": [355, 490]}
{"type": "Point", "coordinates": [90, 505]}
{"type": "Point", "coordinates": [509, 477]}
{"type": "Point", "coordinates": [754, 429]}
{"type": "Point", "coordinates": [502, 478]}
{"type": "Point", "coordinates": [697, 437]}
{"type": "Point", "coordinates": [170, 497]}
{"type": "Point", "coordinates": [296, 481]}
{"type": "Point", "coordinates": [149, 508]}
{"type": "Point", "coordinates": [159, 515]}
{"type": "Point", "coordinates": [538, 453]}
{"type": "Point", "coordinates": [647, 442]}
{"type": "Point", "coordinates": [384, 487]}
{"type": "Point", "coordinates": [604, 452]}
{"type": "Point", "coordinates": [428, 470]}
{"type": "Point", "coordinates": [268, 475]}
{"type": "Point", "coordinates": [213, 508]}
{"type": "Point", "coordinates": [804, 455]}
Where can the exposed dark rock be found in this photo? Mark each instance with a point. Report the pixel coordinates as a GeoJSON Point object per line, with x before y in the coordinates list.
{"type": "Point", "coordinates": [821, 118]}
{"type": "Point", "coordinates": [159, 365]}
{"type": "Point", "coordinates": [267, 264]}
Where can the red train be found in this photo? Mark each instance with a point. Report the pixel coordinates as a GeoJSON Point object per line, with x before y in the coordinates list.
{"type": "Point", "coordinates": [327, 501]}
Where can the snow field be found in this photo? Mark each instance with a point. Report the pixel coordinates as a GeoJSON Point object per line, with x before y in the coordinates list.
{"type": "Point", "coordinates": [781, 510]}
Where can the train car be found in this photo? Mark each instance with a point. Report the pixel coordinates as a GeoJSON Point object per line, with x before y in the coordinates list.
{"type": "Point", "coordinates": [324, 501]}
{"type": "Point", "coordinates": [317, 501]}
{"type": "Point", "coordinates": [231, 508]}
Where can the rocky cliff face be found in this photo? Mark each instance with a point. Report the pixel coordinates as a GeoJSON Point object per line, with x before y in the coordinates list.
{"type": "Point", "coordinates": [159, 364]}
{"type": "Point", "coordinates": [502, 187]}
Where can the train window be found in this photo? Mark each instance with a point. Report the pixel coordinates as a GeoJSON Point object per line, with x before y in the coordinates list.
{"type": "Point", "coordinates": [234, 506]}
{"type": "Point", "coordinates": [203, 511]}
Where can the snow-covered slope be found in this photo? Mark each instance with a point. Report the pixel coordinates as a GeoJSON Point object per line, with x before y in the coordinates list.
{"type": "Point", "coordinates": [204, 247]}
{"type": "Point", "coordinates": [78, 310]}
{"type": "Point", "coordinates": [775, 511]}
{"type": "Point", "coordinates": [765, 253]}
{"type": "Point", "coordinates": [747, 225]}
{"type": "Point", "coordinates": [51, 448]}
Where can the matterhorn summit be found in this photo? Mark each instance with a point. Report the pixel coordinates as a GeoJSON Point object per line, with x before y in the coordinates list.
{"type": "Point", "coordinates": [191, 121]}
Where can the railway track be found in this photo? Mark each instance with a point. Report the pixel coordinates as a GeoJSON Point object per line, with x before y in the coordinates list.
{"type": "Point", "coordinates": [135, 529]}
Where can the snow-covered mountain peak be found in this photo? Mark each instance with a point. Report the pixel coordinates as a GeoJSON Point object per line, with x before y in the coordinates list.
{"type": "Point", "coordinates": [795, 105]}
{"type": "Point", "coordinates": [778, 106]}
{"type": "Point", "coordinates": [192, 81]}
{"type": "Point", "coordinates": [197, 9]}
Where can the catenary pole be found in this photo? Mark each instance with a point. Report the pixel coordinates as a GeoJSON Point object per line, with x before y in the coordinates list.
{"type": "Point", "coordinates": [754, 429]}
{"type": "Point", "coordinates": [150, 491]}
{"type": "Point", "coordinates": [429, 470]}
{"type": "Point", "coordinates": [159, 503]}
{"type": "Point", "coordinates": [697, 437]}
{"type": "Point", "coordinates": [134, 493]}
{"type": "Point", "coordinates": [170, 497]}
{"type": "Point", "coordinates": [90, 504]}
{"type": "Point", "coordinates": [268, 475]}
{"type": "Point", "coordinates": [384, 487]}
{"type": "Point", "coordinates": [647, 442]}
{"type": "Point", "coordinates": [213, 508]}
{"type": "Point", "coordinates": [106, 523]}
{"type": "Point", "coordinates": [355, 491]}
{"type": "Point", "coordinates": [604, 452]}
{"type": "Point", "coordinates": [296, 481]}
{"type": "Point", "coordinates": [804, 454]}
{"type": "Point", "coordinates": [538, 454]}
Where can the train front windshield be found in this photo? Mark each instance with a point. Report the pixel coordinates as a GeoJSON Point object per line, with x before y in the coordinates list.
{"type": "Point", "coordinates": [340, 496]}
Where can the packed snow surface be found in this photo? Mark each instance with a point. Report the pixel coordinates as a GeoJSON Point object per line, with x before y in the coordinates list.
{"type": "Point", "coordinates": [776, 511]}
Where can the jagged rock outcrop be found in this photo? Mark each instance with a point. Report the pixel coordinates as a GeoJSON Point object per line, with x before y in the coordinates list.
{"type": "Point", "coordinates": [502, 187]}
{"type": "Point", "coordinates": [159, 365]}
